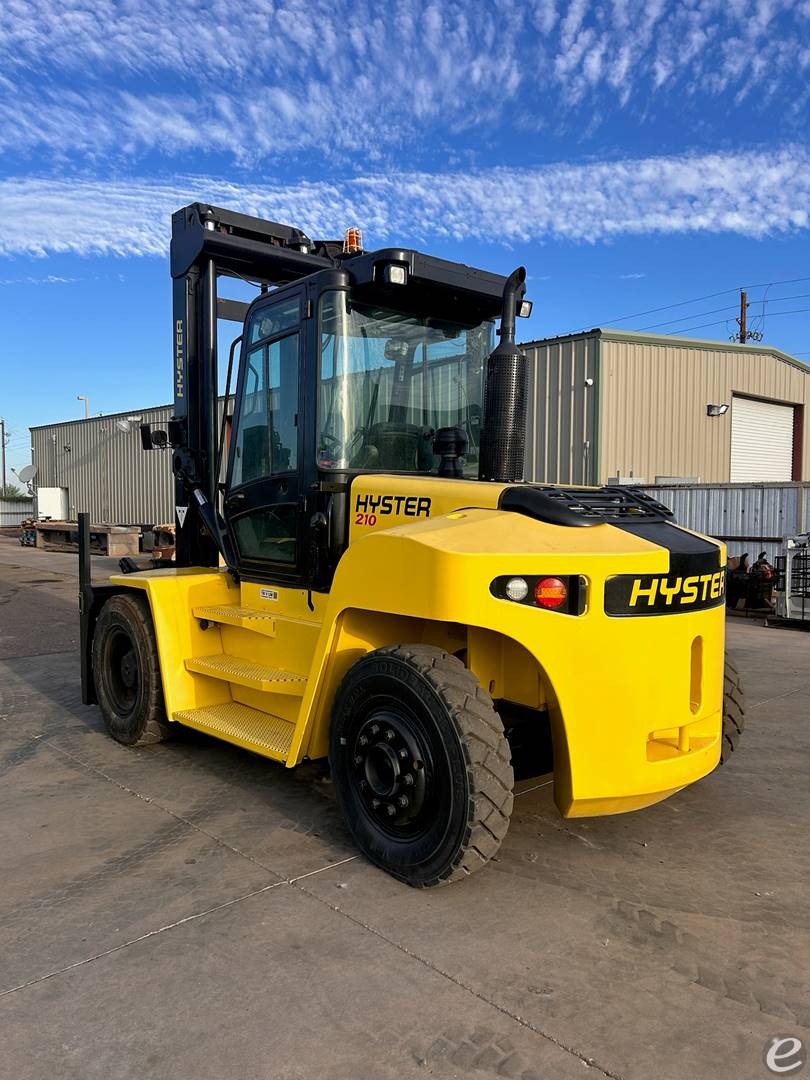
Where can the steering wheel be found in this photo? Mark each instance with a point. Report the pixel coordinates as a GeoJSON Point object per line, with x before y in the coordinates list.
{"type": "Point", "coordinates": [343, 451]}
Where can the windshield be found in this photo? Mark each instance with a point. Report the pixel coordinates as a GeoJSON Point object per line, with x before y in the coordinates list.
{"type": "Point", "coordinates": [390, 379]}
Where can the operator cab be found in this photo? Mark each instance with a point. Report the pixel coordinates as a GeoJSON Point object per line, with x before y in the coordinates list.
{"type": "Point", "coordinates": [337, 379]}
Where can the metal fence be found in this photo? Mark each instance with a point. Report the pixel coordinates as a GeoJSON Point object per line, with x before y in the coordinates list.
{"type": "Point", "coordinates": [14, 511]}
{"type": "Point", "coordinates": [747, 517]}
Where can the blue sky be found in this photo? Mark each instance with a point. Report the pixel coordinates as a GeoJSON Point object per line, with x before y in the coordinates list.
{"type": "Point", "coordinates": [631, 153]}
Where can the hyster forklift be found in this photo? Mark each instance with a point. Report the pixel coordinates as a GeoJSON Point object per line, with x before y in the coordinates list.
{"type": "Point", "coordinates": [363, 576]}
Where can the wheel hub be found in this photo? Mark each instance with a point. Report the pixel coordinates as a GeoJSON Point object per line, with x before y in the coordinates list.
{"type": "Point", "coordinates": [129, 669]}
{"type": "Point", "coordinates": [389, 769]}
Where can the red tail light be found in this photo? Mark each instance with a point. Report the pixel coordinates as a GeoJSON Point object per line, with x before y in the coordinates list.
{"type": "Point", "coordinates": [550, 592]}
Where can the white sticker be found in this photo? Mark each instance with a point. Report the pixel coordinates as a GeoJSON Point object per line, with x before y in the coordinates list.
{"type": "Point", "coordinates": [268, 594]}
{"type": "Point", "coordinates": [181, 514]}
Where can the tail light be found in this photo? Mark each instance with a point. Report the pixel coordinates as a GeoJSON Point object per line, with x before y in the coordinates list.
{"type": "Point", "coordinates": [565, 593]}
{"type": "Point", "coordinates": [551, 592]}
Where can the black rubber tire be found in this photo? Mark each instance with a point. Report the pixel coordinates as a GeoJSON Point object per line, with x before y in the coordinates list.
{"type": "Point", "coordinates": [733, 710]}
{"type": "Point", "coordinates": [126, 672]}
{"type": "Point", "coordinates": [462, 767]}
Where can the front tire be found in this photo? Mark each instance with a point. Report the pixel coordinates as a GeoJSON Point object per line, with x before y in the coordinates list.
{"type": "Point", "coordinates": [421, 765]}
{"type": "Point", "coordinates": [126, 671]}
{"type": "Point", "coordinates": [733, 710]}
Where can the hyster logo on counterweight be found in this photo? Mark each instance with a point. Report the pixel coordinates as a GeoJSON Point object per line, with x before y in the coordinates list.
{"type": "Point", "coordinates": [650, 594]}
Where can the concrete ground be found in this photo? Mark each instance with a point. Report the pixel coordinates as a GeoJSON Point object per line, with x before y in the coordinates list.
{"type": "Point", "coordinates": [191, 911]}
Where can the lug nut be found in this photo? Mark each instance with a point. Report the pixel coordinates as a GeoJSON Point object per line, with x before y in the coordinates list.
{"type": "Point", "coordinates": [389, 734]}
{"type": "Point", "coordinates": [375, 729]}
{"type": "Point", "coordinates": [358, 759]}
{"type": "Point", "coordinates": [407, 779]}
{"type": "Point", "coordinates": [375, 804]}
{"type": "Point", "coordinates": [363, 740]}
{"type": "Point", "coordinates": [390, 810]}
{"type": "Point", "coordinates": [403, 753]}
{"type": "Point", "coordinates": [403, 801]}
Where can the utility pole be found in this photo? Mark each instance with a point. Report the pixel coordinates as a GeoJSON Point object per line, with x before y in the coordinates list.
{"type": "Point", "coordinates": [3, 445]}
{"type": "Point", "coordinates": [744, 335]}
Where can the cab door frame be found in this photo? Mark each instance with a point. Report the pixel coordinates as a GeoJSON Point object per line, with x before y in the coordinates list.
{"type": "Point", "coordinates": [283, 488]}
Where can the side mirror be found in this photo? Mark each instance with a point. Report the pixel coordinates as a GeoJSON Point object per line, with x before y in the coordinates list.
{"type": "Point", "coordinates": [153, 440]}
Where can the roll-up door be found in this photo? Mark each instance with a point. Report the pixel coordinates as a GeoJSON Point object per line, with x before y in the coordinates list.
{"type": "Point", "coordinates": [761, 441]}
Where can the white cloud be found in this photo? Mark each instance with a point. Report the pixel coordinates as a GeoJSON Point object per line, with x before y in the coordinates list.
{"type": "Point", "coordinates": [631, 277]}
{"type": "Point", "coordinates": [260, 80]}
{"type": "Point", "coordinates": [48, 279]}
{"type": "Point", "coordinates": [751, 193]}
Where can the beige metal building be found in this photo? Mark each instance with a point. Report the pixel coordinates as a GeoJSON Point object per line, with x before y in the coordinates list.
{"type": "Point", "coordinates": [607, 404]}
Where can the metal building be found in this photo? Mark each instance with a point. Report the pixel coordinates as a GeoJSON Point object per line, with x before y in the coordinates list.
{"type": "Point", "coordinates": [99, 465]}
{"type": "Point", "coordinates": [608, 404]}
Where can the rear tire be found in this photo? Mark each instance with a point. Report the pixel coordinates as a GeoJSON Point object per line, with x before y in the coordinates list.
{"type": "Point", "coordinates": [421, 765]}
{"type": "Point", "coordinates": [126, 671]}
{"type": "Point", "coordinates": [733, 710]}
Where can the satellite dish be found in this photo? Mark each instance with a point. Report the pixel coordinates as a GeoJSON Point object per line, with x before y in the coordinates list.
{"type": "Point", "coordinates": [27, 473]}
{"type": "Point", "coordinates": [122, 425]}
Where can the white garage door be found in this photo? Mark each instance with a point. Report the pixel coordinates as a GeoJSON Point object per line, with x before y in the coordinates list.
{"type": "Point", "coordinates": [761, 441]}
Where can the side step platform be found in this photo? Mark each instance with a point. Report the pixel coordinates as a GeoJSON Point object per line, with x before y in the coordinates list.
{"type": "Point", "coordinates": [233, 669]}
{"type": "Point", "coordinates": [250, 728]}
{"type": "Point", "coordinates": [233, 615]}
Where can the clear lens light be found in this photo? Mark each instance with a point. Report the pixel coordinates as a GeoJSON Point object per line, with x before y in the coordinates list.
{"type": "Point", "coordinates": [517, 588]}
{"type": "Point", "coordinates": [396, 275]}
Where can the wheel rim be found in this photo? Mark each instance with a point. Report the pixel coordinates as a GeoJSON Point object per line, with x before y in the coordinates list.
{"type": "Point", "coordinates": [395, 770]}
{"type": "Point", "coordinates": [123, 675]}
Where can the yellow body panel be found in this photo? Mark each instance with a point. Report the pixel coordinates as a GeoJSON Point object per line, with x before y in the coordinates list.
{"type": "Point", "coordinates": [635, 703]}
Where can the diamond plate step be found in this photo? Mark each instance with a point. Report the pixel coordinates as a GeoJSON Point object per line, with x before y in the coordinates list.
{"type": "Point", "coordinates": [233, 615]}
{"type": "Point", "coordinates": [234, 669]}
{"type": "Point", "coordinates": [239, 724]}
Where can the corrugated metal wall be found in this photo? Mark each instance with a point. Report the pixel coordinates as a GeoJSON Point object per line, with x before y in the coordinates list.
{"type": "Point", "coordinates": [105, 468]}
{"type": "Point", "coordinates": [14, 511]}
{"type": "Point", "coordinates": [747, 517]}
{"type": "Point", "coordinates": [653, 396]}
{"type": "Point", "coordinates": [561, 431]}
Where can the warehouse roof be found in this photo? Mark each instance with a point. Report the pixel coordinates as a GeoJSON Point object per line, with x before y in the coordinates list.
{"type": "Point", "coordinates": [133, 414]}
{"type": "Point", "coordinates": [673, 342]}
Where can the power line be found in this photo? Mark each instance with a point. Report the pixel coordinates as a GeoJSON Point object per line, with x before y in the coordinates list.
{"type": "Point", "coordinates": [713, 311]}
{"type": "Point", "coordinates": [686, 318]}
{"type": "Point", "coordinates": [674, 333]}
{"type": "Point", "coordinates": [697, 299]}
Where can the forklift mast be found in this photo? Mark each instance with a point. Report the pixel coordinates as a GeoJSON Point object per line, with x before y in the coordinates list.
{"type": "Point", "coordinates": [208, 242]}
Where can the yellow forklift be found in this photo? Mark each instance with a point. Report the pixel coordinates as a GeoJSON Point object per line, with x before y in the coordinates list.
{"type": "Point", "coordinates": [362, 575]}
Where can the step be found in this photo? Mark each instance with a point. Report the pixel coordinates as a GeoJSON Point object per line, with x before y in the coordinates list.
{"type": "Point", "coordinates": [263, 622]}
{"type": "Point", "coordinates": [251, 728]}
{"type": "Point", "coordinates": [234, 669]}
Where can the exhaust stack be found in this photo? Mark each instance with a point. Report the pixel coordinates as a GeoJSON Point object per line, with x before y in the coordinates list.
{"type": "Point", "coordinates": [504, 430]}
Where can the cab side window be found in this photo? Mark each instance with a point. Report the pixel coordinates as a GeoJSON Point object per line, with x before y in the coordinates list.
{"type": "Point", "coordinates": [266, 442]}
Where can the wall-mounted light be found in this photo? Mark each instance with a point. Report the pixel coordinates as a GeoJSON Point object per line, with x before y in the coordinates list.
{"type": "Point", "coordinates": [716, 410]}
